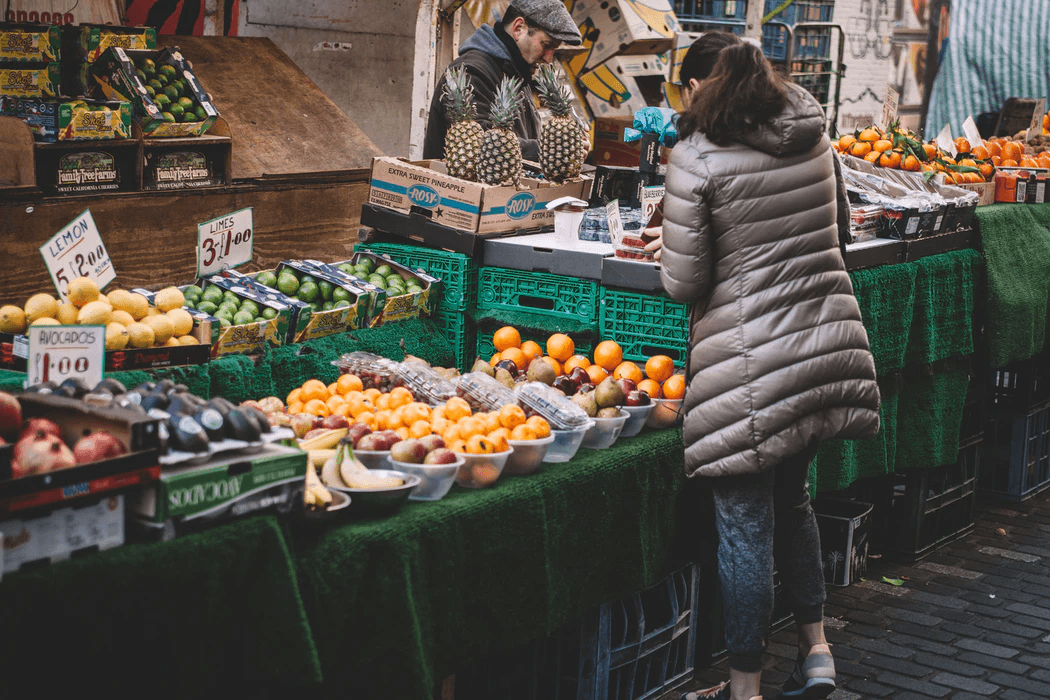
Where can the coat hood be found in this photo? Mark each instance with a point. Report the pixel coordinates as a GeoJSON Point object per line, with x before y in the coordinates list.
{"type": "Point", "coordinates": [485, 39]}
{"type": "Point", "coordinates": [798, 128]}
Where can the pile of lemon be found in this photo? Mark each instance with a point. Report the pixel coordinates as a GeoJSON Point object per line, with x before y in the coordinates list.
{"type": "Point", "coordinates": [129, 319]}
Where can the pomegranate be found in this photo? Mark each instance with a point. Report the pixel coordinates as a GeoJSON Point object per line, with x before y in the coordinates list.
{"type": "Point", "coordinates": [43, 425]}
{"type": "Point", "coordinates": [43, 456]}
{"type": "Point", "coordinates": [28, 439]}
{"type": "Point", "coordinates": [10, 415]}
{"type": "Point", "coordinates": [96, 447]}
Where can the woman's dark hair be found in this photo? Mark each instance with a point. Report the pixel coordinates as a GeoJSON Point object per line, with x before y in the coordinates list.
{"type": "Point", "coordinates": [742, 94]}
{"type": "Point", "coordinates": [702, 56]}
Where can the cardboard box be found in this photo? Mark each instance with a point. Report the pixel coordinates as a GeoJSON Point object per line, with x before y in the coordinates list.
{"type": "Point", "coordinates": [844, 528]}
{"type": "Point", "coordinates": [178, 163]}
{"type": "Point", "coordinates": [223, 488]}
{"type": "Point", "coordinates": [425, 187]}
{"type": "Point", "coordinates": [545, 252]}
{"type": "Point", "coordinates": [612, 27]}
{"type": "Point", "coordinates": [624, 84]}
{"type": "Point", "coordinates": [63, 119]}
{"type": "Point", "coordinates": [679, 48]}
{"type": "Point", "coordinates": [62, 533]}
{"type": "Point", "coordinates": [401, 307]}
{"type": "Point", "coordinates": [94, 39]}
{"type": "Point", "coordinates": [30, 80]}
{"type": "Point", "coordinates": [115, 76]}
{"type": "Point", "coordinates": [1021, 185]}
{"type": "Point", "coordinates": [252, 338]}
{"type": "Point", "coordinates": [75, 168]}
{"type": "Point", "coordinates": [610, 148]}
{"type": "Point", "coordinates": [30, 43]}
{"type": "Point", "coordinates": [985, 191]}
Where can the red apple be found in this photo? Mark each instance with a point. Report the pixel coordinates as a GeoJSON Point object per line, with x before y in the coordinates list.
{"type": "Point", "coordinates": [626, 385]}
{"type": "Point", "coordinates": [279, 419]}
{"type": "Point", "coordinates": [96, 447]}
{"type": "Point", "coordinates": [335, 422]}
{"type": "Point", "coordinates": [301, 424]}
{"type": "Point", "coordinates": [638, 398]}
{"type": "Point", "coordinates": [432, 442]}
{"type": "Point", "coordinates": [441, 455]}
{"type": "Point", "coordinates": [356, 432]}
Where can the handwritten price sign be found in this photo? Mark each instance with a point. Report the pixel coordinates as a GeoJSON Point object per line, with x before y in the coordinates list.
{"type": "Point", "coordinates": [225, 242]}
{"type": "Point", "coordinates": [77, 251]}
{"type": "Point", "coordinates": [57, 353]}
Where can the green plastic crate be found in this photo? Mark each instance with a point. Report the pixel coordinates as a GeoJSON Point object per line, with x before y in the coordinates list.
{"type": "Point", "coordinates": [554, 296]}
{"type": "Point", "coordinates": [458, 272]}
{"type": "Point", "coordinates": [645, 325]}
{"type": "Point", "coordinates": [584, 341]}
{"type": "Point", "coordinates": [461, 331]}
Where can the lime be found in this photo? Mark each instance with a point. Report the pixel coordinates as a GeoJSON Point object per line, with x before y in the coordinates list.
{"type": "Point", "coordinates": [187, 103]}
{"type": "Point", "coordinates": [151, 92]}
{"type": "Point", "coordinates": [288, 283]}
{"type": "Point", "coordinates": [207, 307]}
{"type": "Point", "coordinates": [201, 114]}
{"type": "Point", "coordinates": [162, 79]}
{"type": "Point", "coordinates": [141, 75]}
{"type": "Point", "coordinates": [326, 289]}
{"type": "Point", "coordinates": [227, 295]}
{"type": "Point", "coordinates": [368, 264]}
{"type": "Point", "coordinates": [190, 303]}
{"type": "Point", "coordinates": [315, 307]}
{"type": "Point", "coordinates": [377, 280]}
{"type": "Point", "coordinates": [259, 319]}
{"type": "Point", "coordinates": [250, 306]}
{"type": "Point", "coordinates": [192, 291]}
{"type": "Point", "coordinates": [176, 109]}
{"type": "Point", "coordinates": [342, 305]}
{"type": "Point", "coordinates": [156, 85]}
{"type": "Point", "coordinates": [269, 313]}
{"type": "Point", "coordinates": [347, 268]}
{"type": "Point", "coordinates": [162, 100]}
{"type": "Point", "coordinates": [180, 86]}
{"type": "Point", "coordinates": [395, 279]}
{"type": "Point", "coordinates": [308, 292]}
{"type": "Point", "coordinates": [212, 297]}
{"type": "Point", "coordinates": [327, 306]}
{"type": "Point", "coordinates": [267, 278]}
{"type": "Point", "coordinates": [168, 117]}
{"type": "Point", "coordinates": [148, 66]}
{"type": "Point", "coordinates": [291, 271]}
{"type": "Point", "coordinates": [172, 93]}
{"type": "Point", "coordinates": [224, 322]}
{"type": "Point", "coordinates": [340, 294]}
{"type": "Point", "coordinates": [213, 288]}
{"type": "Point", "coordinates": [384, 270]}
{"type": "Point", "coordinates": [227, 308]}
{"type": "Point", "coordinates": [242, 318]}
{"type": "Point", "coordinates": [167, 70]}
{"type": "Point", "coordinates": [188, 117]}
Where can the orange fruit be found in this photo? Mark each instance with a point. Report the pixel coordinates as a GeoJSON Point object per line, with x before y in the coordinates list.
{"type": "Point", "coordinates": [383, 420]}
{"type": "Point", "coordinates": [968, 162]}
{"type": "Point", "coordinates": [962, 145]}
{"type": "Point", "coordinates": [293, 397]}
{"type": "Point", "coordinates": [511, 416]}
{"type": "Point", "coordinates": [458, 445]}
{"type": "Point", "coordinates": [437, 412]}
{"type": "Point", "coordinates": [400, 396]}
{"type": "Point", "coordinates": [1029, 162]}
{"type": "Point", "coordinates": [994, 148]}
{"type": "Point", "coordinates": [860, 149]}
{"type": "Point", "coordinates": [930, 150]}
{"type": "Point", "coordinates": [674, 388]}
{"type": "Point", "coordinates": [516, 356]}
{"type": "Point", "coordinates": [415, 411]}
{"type": "Point", "coordinates": [369, 419]}
{"type": "Point", "coordinates": [365, 405]}
{"type": "Point", "coordinates": [349, 382]}
{"type": "Point", "coordinates": [314, 389]}
{"type": "Point", "coordinates": [890, 159]}
{"type": "Point", "coordinates": [1009, 163]}
{"type": "Point", "coordinates": [869, 135]}
{"type": "Point", "coordinates": [490, 420]}
{"type": "Point", "coordinates": [553, 363]}
{"type": "Point", "coordinates": [560, 347]}
{"type": "Point", "coordinates": [469, 427]}
{"type": "Point", "coordinates": [882, 145]}
{"type": "Point", "coordinates": [294, 408]}
{"type": "Point", "coordinates": [1012, 151]}
{"type": "Point", "coordinates": [451, 434]}
{"type": "Point", "coordinates": [480, 445]}
{"type": "Point", "coordinates": [420, 428]}
{"type": "Point", "coordinates": [333, 388]}
{"type": "Point", "coordinates": [873, 157]}
{"type": "Point", "coordinates": [981, 152]}
{"type": "Point", "coordinates": [532, 350]}
{"type": "Point", "coordinates": [608, 355]}
{"type": "Point", "coordinates": [383, 402]}
{"type": "Point", "coordinates": [506, 337]}
{"type": "Point", "coordinates": [539, 425]}
{"type": "Point", "coordinates": [342, 410]}
{"type": "Point", "coordinates": [576, 361]}
{"type": "Point", "coordinates": [334, 403]}
{"type": "Point", "coordinates": [456, 408]}
{"type": "Point", "coordinates": [373, 394]}
{"type": "Point", "coordinates": [494, 360]}
{"type": "Point", "coordinates": [987, 169]}
{"type": "Point", "coordinates": [597, 373]}
{"type": "Point", "coordinates": [499, 441]}
{"type": "Point", "coordinates": [499, 433]}
{"type": "Point", "coordinates": [659, 368]}
{"type": "Point", "coordinates": [997, 161]}
{"type": "Point", "coordinates": [628, 370]}
{"type": "Point", "coordinates": [651, 387]}
{"type": "Point", "coordinates": [522, 432]}
{"type": "Point", "coordinates": [911, 163]}
{"type": "Point", "coordinates": [402, 432]}
{"type": "Point", "coordinates": [316, 407]}
{"type": "Point", "coordinates": [846, 141]}
{"type": "Point", "coordinates": [438, 426]}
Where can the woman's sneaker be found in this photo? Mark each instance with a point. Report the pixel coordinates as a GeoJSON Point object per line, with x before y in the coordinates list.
{"type": "Point", "coordinates": [718, 692]}
{"type": "Point", "coordinates": [814, 678]}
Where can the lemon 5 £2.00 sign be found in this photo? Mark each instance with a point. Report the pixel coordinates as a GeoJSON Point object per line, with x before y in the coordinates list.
{"type": "Point", "coordinates": [58, 353]}
{"type": "Point", "coordinates": [225, 242]}
{"type": "Point", "coordinates": [77, 251]}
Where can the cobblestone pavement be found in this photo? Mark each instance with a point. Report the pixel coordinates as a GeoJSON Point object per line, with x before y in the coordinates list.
{"type": "Point", "coordinates": [972, 620]}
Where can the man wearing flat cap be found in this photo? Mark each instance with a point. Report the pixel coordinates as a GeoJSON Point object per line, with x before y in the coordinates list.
{"type": "Point", "coordinates": [527, 36]}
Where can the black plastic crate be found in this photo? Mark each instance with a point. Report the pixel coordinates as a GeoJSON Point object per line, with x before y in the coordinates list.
{"type": "Point", "coordinates": [1022, 385]}
{"type": "Point", "coordinates": [1016, 463]}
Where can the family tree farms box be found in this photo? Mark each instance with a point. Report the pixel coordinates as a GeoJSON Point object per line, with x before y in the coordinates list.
{"type": "Point", "coordinates": [426, 187]}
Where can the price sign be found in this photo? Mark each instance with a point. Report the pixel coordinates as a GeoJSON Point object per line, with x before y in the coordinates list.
{"type": "Point", "coordinates": [225, 242]}
{"type": "Point", "coordinates": [651, 198]}
{"type": "Point", "coordinates": [57, 353]}
{"type": "Point", "coordinates": [945, 142]}
{"type": "Point", "coordinates": [1035, 127]}
{"type": "Point", "coordinates": [612, 212]}
{"type": "Point", "coordinates": [77, 251]}
{"type": "Point", "coordinates": [973, 135]}
{"type": "Point", "coordinates": [889, 108]}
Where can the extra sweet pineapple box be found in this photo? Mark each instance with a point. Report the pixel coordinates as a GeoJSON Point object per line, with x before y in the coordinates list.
{"type": "Point", "coordinates": [425, 187]}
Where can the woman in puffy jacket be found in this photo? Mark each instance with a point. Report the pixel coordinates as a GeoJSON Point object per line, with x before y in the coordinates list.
{"type": "Point", "coordinates": [778, 357]}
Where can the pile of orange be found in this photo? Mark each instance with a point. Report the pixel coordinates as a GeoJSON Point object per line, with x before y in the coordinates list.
{"type": "Point", "coordinates": [484, 433]}
{"type": "Point", "coordinates": [900, 149]}
{"type": "Point", "coordinates": [658, 378]}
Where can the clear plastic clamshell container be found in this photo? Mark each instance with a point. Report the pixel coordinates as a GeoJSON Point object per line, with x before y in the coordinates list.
{"type": "Point", "coordinates": [424, 383]}
{"type": "Point", "coordinates": [482, 392]}
{"type": "Point", "coordinates": [375, 372]}
{"type": "Point", "coordinates": [560, 412]}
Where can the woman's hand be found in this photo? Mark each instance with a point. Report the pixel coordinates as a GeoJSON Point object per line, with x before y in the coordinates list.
{"type": "Point", "coordinates": [656, 245]}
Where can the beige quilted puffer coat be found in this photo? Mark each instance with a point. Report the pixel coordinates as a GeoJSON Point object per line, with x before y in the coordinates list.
{"type": "Point", "coordinates": [778, 355]}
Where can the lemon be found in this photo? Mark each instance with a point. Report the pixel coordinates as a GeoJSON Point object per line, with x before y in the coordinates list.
{"type": "Point", "coordinates": [188, 340]}
{"type": "Point", "coordinates": [67, 313]}
{"type": "Point", "coordinates": [40, 306]}
{"type": "Point", "coordinates": [81, 291]}
{"type": "Point", "coordinates": [117, 337]}
{"type": "Point", "coordinates": [173, 342]}
{"type": "Point", "coordinates": [139, 306]}
{"type": "Point", "coordinates": [45, 321]}
{"type": "Point", "coordinates": [121, 300]}
{"type": "Point", "coordinates": [152, 312]}
{"type": "Point", "coordinates": [12, 319]}
{"type": "Point", "coordinates": [162, 327]}
{"type": "Point", "coordinates": [169, 298]}
{"type": "Point", "coordinates": [182, 320]}
{"type": "Point", "coordinates": [122, 317]}
{"type": "Point", "coordinates": [95, 313]}
{"type": "Point", "coordinates": [140, 335]}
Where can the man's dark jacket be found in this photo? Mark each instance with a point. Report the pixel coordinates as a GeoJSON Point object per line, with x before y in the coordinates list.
{"type": "Point", "coordinates": [488, 55]}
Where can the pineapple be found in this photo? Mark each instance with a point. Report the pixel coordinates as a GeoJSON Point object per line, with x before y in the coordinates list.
{"type": "Point", "coordinates": [463, 138]}
{"type": "Point", "coordinates": [499, 159]}
{"type": "Point", "coordinates": [563, 142]}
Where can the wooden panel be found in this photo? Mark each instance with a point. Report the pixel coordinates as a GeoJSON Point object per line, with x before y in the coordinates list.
{"type": "Point", "coordinates": [16, 153]}
{"type": "Point", "coordinates": [280, 120]}
{"type": "Point", "coordinates": [152, 237]}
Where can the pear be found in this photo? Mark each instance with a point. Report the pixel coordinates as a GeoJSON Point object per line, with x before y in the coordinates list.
{"type": "Point", "coordinates": [481, 366]}
{"type": "Point", "coordinates": [541, 371]}
{"type": "Point", "coordinates": [587, 403]}
{"type": "Point", "coordinates": [609, 393]}
{"type": "Point", "coordinates": [504, 377]}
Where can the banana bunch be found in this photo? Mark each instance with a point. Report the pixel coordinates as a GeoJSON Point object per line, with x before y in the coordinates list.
{"type": "Point", "coordinates": [315, 494]}
{"type": "Point", "coordinates": [343, 470]}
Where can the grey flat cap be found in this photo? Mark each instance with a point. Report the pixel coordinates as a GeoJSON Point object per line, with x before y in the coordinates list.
{"type": "Point", "coordinates": [552, 17]}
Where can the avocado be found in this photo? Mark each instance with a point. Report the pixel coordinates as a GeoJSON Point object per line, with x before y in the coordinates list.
{"type": "Point", "coordinates": [240, 427]}
{"type": "Point", "coordinates": [186, 434]}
